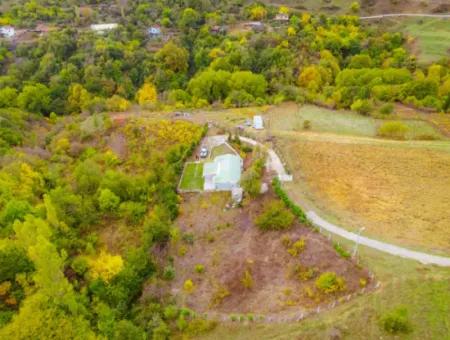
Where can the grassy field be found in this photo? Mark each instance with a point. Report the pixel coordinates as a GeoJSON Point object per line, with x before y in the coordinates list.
{"type": "Point", "coordinates": [432, 37]}
{"type": "Point", "coordinates": [397, 191]}
{"type": "Point", "coordinates": [192, 178]}
{"type": "Point", "coordinates": [289, 117]}
{"type": "Point", "coordinates": [221, 150]}
{"type": "Point", "coordinates": [423, 291]}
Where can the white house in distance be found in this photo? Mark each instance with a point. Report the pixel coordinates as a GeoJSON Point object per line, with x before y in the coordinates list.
{"type": "Point", "coordinates": [7, 31]}
{"type": "Point", "coordinates": [223, 174]}
{"type": "Point", "coordinates": [101, 28]}
{"type": "Point", "coordinates": [258, 123]}
{"type": "Point", "coordinates": [154, 31]}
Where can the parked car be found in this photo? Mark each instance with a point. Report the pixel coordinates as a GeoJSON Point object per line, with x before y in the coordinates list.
{"type": "Point", "coordinates": [203, 152]}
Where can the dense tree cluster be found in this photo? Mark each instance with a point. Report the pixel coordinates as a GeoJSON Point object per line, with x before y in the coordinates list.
{"type": "Point", "coordinates": [53, 264]}
{"type": "Point", "coordinates": [332, 61]}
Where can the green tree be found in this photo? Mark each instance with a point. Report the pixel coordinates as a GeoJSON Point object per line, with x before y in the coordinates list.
{"type": "Point", "coordinates": [34, 98]}
{"type": "Point", "coordinates": [275, 216]}
{"type": "Point", "coordinates": [254, 84]}
{"type": "Point", "coordinates": [8, 96]}
{"type": "Point", "coordinates": [190, 18]}
{"type": "Point", "coordinates": [108, 201]}
{"type": "Point", "coordinates": [78, 99]}
{"type": "Point", "coordinates": [173, 57]}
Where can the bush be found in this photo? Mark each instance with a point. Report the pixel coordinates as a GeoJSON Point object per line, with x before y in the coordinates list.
{"type": "Point", "coordinates": [341, 251]}
{"type": "Point", "coordinates": [108, 201]}
{"type": "Point", "coordinates": [199, 268]}
{"type": "Point", "coordinates": [394, 130]}
{"type": "Point", "coordinates": [133, 212]}
{"type": "Point", "coordinates": [188, 286]}
{"type": "Point", "coordinates": [330, 283]}
{"type": "Point", "coordinates": [387, 108]}
{"type": "Point", "coordinates": [169, 273]}
{"type": "Point", "coordinates": [295, 209]}
{"type": "Point", "coordinates": [362, 106]}
{"type": "Point", "coordinates": [275, 217]}
{"type": "Point", "coordinates": [307, 125]}
{"type": "Point", "coordinates": [396, 321]}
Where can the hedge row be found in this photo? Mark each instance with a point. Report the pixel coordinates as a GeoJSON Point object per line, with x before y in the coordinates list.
{"type": "Point", "coordinates": [296, 210]}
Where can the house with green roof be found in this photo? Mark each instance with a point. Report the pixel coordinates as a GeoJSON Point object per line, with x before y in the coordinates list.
{"type": "Point", "coordinates": [222, 174]}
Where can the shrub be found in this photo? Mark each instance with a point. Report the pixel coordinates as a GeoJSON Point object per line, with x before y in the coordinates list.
{"type": "Point", "coordinates": [362, 106]}
{"type": "Point", "coordinates": [199, 268]}
{"type": "Point", "coordinates": [394, 130]}
{"type": "Point", "coordinates": [307, 125]}
{"type": "Point", "coordinates": [133, 212]}
{"type": "Point", "coordinates": [247, 279]}
{"type": "Point", "coordinates": [330, 283]}
{"type": "Point", "coordinates": [295, 209]}
{"type": "Point", "coordinates": [396, 321]}
{"type": "Point", "coordinates": [80, 265]}
{"type": "Point", "coordinates": [386, 109]}
{"type": "Point", "coordinates": [169, 273]}
{"type": "Point", "coordinates": [341, 251]}
{"type": "Point", "coordinates": [297, 247]}
{"type": "Point", "coordinates": [275, 217]}
{"type": "Point", "coordinates": [188, 286]}
{"type": "Point", "coordinates": [218, 296]}
{"type": "Point", "coordinates": [108, 201]}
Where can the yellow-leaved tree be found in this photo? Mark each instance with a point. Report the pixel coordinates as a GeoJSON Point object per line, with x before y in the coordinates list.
{"type": "Point", "coordinates": [258, 12]}
{"type": "Point", "coordinates": [105, 266]}
{"type": "Point", "coordinates": [147, 94]}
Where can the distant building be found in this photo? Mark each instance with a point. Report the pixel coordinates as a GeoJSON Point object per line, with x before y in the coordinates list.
{"type": "Point", "coordinates": [282, 17]}
{"type": "Point", "coordinates": [258, 123]}
{"type": "Point", "coordinates": [257, 26]}
{"type": "Point", "coordinates": [7, 31]}
{"type": "Point", "coordinates": [223, 174]}
{"type": "Point", "coordinates": [154, 31]}
{"type": "Point", "coordinates": [218, 29]}
{"type": "Point", "coordinates": [101, 28]}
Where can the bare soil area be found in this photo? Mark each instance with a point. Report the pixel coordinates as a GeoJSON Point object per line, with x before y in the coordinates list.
{"type": "Point", "coordinates": [228, 245]}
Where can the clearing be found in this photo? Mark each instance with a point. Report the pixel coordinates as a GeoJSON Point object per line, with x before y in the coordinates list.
{"type": "Point", "coordinates": [226, 245]}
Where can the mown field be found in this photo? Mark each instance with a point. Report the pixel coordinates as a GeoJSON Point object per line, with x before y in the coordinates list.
{"type": "Point", "coordinates": [432, 37]}
{"type": "Point", "coordinates": [397, 190]}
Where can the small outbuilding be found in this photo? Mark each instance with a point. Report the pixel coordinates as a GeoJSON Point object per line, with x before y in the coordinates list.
{"type": "Point", "coordinates": [258, 123]}
{"type": "Point", "coordinates": [283, 17]}
{"type": "Point", "coordinates": [154, 31]}
{"type": "Point", "coordinates": [101, 28]}
{"type": "Point", "coordinates": [222, 174]}
{"type": "Point", "coordinates": [7, 31]}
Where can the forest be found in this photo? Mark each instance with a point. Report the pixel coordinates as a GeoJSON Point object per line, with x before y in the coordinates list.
{"type": "Point", "coordinates": [65, 177]}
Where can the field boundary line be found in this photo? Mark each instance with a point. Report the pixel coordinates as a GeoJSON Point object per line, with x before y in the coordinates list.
{"type": "Point", "coordinates": [418, 15]}
{"type": "Point", "coordinates": [424, 258]}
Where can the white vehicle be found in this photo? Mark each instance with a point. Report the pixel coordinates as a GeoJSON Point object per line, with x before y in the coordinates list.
{"type": "Point", "coordinates": [203, 152]}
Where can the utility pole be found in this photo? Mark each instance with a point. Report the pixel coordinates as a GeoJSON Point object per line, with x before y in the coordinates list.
{"type": "Point", "coordinates": [355, 248]}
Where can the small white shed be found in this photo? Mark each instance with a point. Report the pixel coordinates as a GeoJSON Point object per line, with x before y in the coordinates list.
{"type": "Point", "coordinates": [7, 31]}
{"type": "Point", "coordinates": [100, 28]}
{"type": "Point", "coordinates": [258, 123]}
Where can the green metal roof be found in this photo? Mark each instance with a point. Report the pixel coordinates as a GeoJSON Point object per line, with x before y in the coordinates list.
{"type": "Point", "coordinates": [227, 169]}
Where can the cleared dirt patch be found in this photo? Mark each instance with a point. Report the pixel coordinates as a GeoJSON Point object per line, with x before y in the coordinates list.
{"type": "Point", "coordinates": [227, 244]}
{"type": "Point", "coordinates": [398, 193]}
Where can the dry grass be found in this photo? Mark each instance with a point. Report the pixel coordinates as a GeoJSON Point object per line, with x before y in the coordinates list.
{"type": "Point", "coordinates": [398, 192]}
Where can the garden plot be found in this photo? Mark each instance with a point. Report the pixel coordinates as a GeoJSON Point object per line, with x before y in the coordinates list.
{"type": "Point", "coordinates": [192, 178]}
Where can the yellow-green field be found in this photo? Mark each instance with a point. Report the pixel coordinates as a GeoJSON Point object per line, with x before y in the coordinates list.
{"type": "Point", "coordinates": [397, 190]}
{"type": "Point", "coordinates": [432, 37]}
